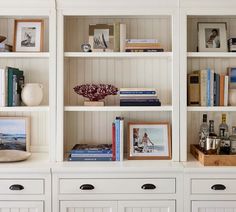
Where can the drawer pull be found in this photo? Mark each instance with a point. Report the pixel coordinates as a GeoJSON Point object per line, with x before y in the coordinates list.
{"type": "Point", "coordinates": [87, 187]}
{"type": "Point", "coordinates": [148, 187]}
{"type": "Point", "coordinates": [218, 187]}
{"type": "Point", "coordinates": [16, 187]}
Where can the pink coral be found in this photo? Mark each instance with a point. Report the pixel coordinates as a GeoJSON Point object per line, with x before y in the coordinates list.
{"type": "Point", "coordinates": [95, 92]}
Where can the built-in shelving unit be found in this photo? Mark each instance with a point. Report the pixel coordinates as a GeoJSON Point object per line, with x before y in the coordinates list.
{"type": "Point", "coordinates": [24, 55]}
{"type": "Point", "coordinates": [211, 54]}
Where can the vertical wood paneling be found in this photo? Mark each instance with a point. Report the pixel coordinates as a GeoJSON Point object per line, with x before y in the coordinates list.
{"type": "Point", "coordinates": [76, 29]}
{"type": "Point", "coordinates": [7, 29]}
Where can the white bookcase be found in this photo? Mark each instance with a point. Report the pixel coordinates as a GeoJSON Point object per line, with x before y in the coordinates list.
{"type": "Point", "coordinates": [191, 117]}
{"type": "Point", "coordinates": [38, 67]}
{"type": "Point", "coordinates": [80, 124]}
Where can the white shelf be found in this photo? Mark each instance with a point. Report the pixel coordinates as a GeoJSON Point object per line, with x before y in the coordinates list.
{"type": "Point", "coordinates": [24, 55]}
{"type": "Point", "coordinates": [118, 54]}
{"type": "Point", "coordinates": [215, 108]}
{"type": "Point", "coordinates": [116, 108]}
{"type": "Point", "coordinates": [211, 54]}
{"type": "Point", "coordinates": [25, 109]}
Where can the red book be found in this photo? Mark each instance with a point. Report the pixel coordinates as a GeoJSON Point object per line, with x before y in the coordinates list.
{"type": "Point", "coordinates": [113, 142]}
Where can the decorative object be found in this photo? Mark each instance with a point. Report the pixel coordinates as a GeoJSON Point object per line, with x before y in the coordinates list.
{"type": "Point", "coordinates": [232, 97]}
{"type": "Point", "coordinates": [15, 133]}
{"type": "Point", "coordinates": [212, 37]}
{"type": "Point", "coordinates": [13, 155]}
{"type": "Point", "coordinates": [28, 35]}
{"type": "Point", "coordinates": [101, 37]}
{"type": "Point", "coordinates": [32, 94]}
{"type": "Point", "coordinates": [86, 47]}
{"type": "Point", "coordinates": [95, 93]}
{"type": "Point", "coordinates": [148, 141]}
{"type": "Point", "coordinates": [4, 47]}
{"type": "Point", "coordinates": [2, 38]}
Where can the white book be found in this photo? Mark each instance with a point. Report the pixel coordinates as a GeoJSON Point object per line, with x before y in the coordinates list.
{"type": "Point", "coordinates": [121, 139]}
{"type": "Point", "coordinates": [122, 37]}
{"type": "Point", "coordinates": [6, 86]}
{"type": "Point", "coordinates": [1, 87]}
{"type": "Point", "coordinates": [226, 90]}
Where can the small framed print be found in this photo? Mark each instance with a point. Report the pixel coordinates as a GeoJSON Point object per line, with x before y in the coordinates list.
{"type": "Point", "coordinates": [28, 35]}
{"type": "Point", "coordinates": [14, 133]}
{"type": "Point", "coordinates": [149, 141]}
{"type": "Point", "coordinates": [212, 37]}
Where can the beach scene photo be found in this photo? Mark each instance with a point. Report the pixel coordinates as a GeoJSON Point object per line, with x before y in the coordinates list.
{"type": "Point", "coordinates": [13, 134]}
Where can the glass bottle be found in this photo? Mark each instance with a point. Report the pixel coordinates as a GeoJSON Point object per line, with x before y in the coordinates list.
{"type": "Point", "coordinates": [211, 129]}
{"type": "Point", "coordinates": [223, 128]}
{"type": "Point", "coordinates": [232, 139]}
{"type": "Point", "coordinates": [203, 132]}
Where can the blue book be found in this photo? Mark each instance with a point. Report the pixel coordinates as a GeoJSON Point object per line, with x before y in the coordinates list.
{"type": "Point", "coordinates": [137, 92]}
{"type": "Point", "coordinates": [90, 158]}
{"type": "Point", "coordinates": [208, 87]}
{"type": "Point", "coordinates": [117, 126]}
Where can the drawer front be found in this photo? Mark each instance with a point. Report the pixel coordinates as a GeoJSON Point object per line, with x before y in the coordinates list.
{"type": "Point", "coordinates": [16, 187]}
{"type": "Point", "coordinates": [142, 186]}
{"type": "Point", "coordinates": [213, 186]}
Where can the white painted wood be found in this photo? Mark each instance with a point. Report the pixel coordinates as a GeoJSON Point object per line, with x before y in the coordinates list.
{"type": "Point", "coordinates": [211, 54]}
{"type": "Point", "coordinates": [203, 186]}
{"type": "Point", "coordinates": [209, 4]}
{"type": "Point", "coordinates": [25, 109]}
{"type": "Point", "coordinates": [17, 206]}
{"type": "Point", "coordinates": [88, 206]}
{"type": "Point", "coordinates": [24, 55]}
{"type": "Point", "coordinates": [119, 54]}
{"type": "Point", "coordinates": [101, 186]}
{"type": "Point", "coordinates": [146, 206]}
{"type": "Point", "coordinates": [30, 186]}
{"type": "Point", "coordinates": [213, 109]}
{"type": "Point", "coordinates": [116, 108]}
{"type": "Point", "coordinates": [213, 206]}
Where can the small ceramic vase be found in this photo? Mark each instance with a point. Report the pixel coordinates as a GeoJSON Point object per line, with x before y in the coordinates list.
{"type": "Point", "coordinates": [232, 97]}
{"type": "Point", "coordinates": [32, 94]}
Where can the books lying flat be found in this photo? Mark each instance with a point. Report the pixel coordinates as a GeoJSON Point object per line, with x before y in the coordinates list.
{"type": "Point", "coordinates": [140, 104]}
{"type": "Point", "coordinates": [142, 41]}
{"type": "Point", "coordinates": [137, 92]}
{"type": "Point", "coordinates": [145, 50]}
{"type": "Point", "coordinates": [91, 149]}
{"type": "Point", "coordinates": [91, 155]}
{"type": "Point", "coordinates": [90, 158]}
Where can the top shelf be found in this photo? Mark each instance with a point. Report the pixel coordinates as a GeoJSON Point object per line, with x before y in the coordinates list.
{"type": "Point", "coordinates": [211, 54]}
{"type": "Point", "coordinates": [24, 55]}
{"type": "Point", "coordinates": [118, 54]}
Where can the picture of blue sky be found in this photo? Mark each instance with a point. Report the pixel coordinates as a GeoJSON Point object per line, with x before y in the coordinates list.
{"type": "Point", "coordinates": [12, 126]}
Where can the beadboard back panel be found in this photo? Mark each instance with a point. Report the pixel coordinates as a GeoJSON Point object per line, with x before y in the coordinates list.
{"type": "Point", "coordinates": [192, 31]}
{"type": "Point", "coordinates": [35, 71]}
{"type": "Point", "coordinates": [7, 29]}
{"type": "Point", "coordinates": [157, 27]}
{"type": "Point", "coordinates": [121, 72]}
{"type": "Point", "coordinates": [39, 128]}
{"type": "Point", "coordinates": [96, 127]}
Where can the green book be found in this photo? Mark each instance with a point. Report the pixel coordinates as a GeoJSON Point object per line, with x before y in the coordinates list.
{"type": "Point", "coordinates": [11, 72]}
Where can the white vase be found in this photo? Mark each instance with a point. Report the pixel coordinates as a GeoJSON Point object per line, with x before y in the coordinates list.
{"type": "Point", "coordinates": [232, 97]}
{"type": "Point", "coordinates": [32, 94]}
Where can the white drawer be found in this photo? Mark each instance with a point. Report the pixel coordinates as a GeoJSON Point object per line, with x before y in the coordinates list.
{"type": "Point", "coordinates": [213, 186]}
{"type": "Point", "coordinates": [21, 186]}
{"type": "Point", "coordinates": [143, 186]}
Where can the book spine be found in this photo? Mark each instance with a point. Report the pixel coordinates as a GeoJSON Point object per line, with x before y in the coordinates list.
{"type": "Point", "coordinates": [139, 100]}
{"type": "Point", "coordinates": [1, 87]}
{"type": "Point", "coordinates": [122, 37]}
{"type": "Point", "coordinates": [140, 104]}
{"type": "Point", "coordinates": [10, 87]}
{"type": "Point", "coordinates": [90, 151]}
{"type": "Point", "coordinates": [113, 141]}
{"type": "Point", "coordinates": [215, 91]}
{"type": "Point", "coordinates": [208, 94]}
{"type": "Point", "coordinates": [117, 37]}
{"type": "Point", "coordinates": [203, 87]}
{"type": "Point", "coordinates": [21, 82]}
{"type": "Point", "coordinates": [91, 155]}
{"type": "Point", "coordinates": [121, 139]}
{"type": "Point", "coordinates": [14, 91]}
{"type": "Point", "coordinates": [226, 90]}
{"type": "Point", "coordinates": [90, 158]}
{"type": "Point", "coordinates": [148, 49]}
{"type": "Point", "coordinates": [193, 89]}
{"type": "Point", "coordinates": [222, 90]}
{"type": "Point", "coordinates": [3, 80]}
{"type": "Point", "coordinates": [212, 88]}
{"type": "Point", "coordinates": [137, 92]}
{"type": "Point", "coordinates": [117, 123]}
{"type": "Point", "coordinates": [6, 86]}
{"type": "Point", "coordinates": [142, 41]}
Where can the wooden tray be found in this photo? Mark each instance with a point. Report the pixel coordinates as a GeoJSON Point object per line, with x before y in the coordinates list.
{"type": "Point", "coordinates": [212, 160]}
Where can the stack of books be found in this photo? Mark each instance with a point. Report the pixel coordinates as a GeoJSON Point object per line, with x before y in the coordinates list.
{"type": "Point", "coordinates": [118, 139]}
{"type": "Point", "coordinates": [11, 82]}
{"type": "Point", "coordinates": [232, 44]}
{"type": "Point", "coordinates": [139, 97]}
{"type": "Point", "coordinates": [207, 88]}
{"type": "Point", "coordinates": [143, 45]}
{"type": "Point", "coordinates": [91, 152]}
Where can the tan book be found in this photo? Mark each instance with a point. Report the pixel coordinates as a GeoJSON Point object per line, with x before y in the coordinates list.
{"type": "Point", "coordinates": [122, 37]}
{"type": "Point", "coordinates": [193, 89]}
{"type": "Point", "coordinates": [156, 45]}
{"type": "Point", "coordinates": [222, 86]}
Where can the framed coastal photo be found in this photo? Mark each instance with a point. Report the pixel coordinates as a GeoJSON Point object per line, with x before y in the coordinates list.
{"type": "Point", "coordinates": [14, 133]}
{"type": "Point", "coordinates": [101, 37]}
{"type": "Point", "coordinates": [212, 37]}
{"type": "Point", "coordinates": [28, 35]}
{"type": "Point", "coordinates": [149, 141]}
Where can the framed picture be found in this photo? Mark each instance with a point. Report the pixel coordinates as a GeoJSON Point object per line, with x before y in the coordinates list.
{"type": "Point", "coordinates": [14, 133]}
{"type": "Point", "coordinates": [101, 37]}
{"type": "Point", "coordinates": [147, 141]}
{"type": "Point", "coordinates": [28, 35]}
{"type": "Point", "coordinates": [212, 37]}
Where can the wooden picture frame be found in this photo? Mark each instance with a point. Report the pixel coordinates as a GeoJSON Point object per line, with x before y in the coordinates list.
{"type": "Point", "coordinates": [25, 31]}
{"type": "Point", "coordinates": [136, 148]}
{"type": "Point", "coordinates": [212, 36]}
{"type": "Point", "coordinates": [9, 133]}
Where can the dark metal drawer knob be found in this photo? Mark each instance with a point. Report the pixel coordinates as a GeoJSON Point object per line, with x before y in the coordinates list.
{"type": "Point", "coordinates": [86, 187]}
{"type": "Point", "coordinates": [148, 187]}
{"type": "Point", "coordinates": [16, 187]}
{"type": "Point", "coordinates": [218, 187]}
